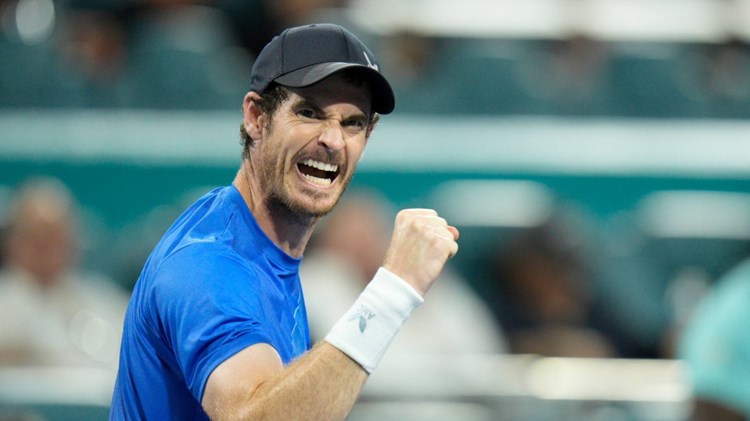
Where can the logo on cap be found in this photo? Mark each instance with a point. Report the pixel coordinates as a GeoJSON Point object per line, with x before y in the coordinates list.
{"type": "Point", "coordinates": [369, 63]}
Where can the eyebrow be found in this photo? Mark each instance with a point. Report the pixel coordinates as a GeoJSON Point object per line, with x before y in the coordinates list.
{"type": "Point", "coordinates": [304, 102]}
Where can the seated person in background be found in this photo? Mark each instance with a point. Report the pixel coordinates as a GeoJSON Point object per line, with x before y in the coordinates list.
{"type": "Point", "coordinates": [715, 346]}
{"type": "Point", "coordinates": [546, 292]}
{"type": "Point", "coordinates": [345, 254]}
{"type": "Point", "coordinates": [51, 313]}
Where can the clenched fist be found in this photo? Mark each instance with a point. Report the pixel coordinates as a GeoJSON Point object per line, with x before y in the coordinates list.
{"type": "Point", "coordinates": [421, 244]}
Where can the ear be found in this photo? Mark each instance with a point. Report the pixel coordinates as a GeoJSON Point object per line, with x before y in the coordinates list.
{"type": "Point", "coordinates": [251, 116]}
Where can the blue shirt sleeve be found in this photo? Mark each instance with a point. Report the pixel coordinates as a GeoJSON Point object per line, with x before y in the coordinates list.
{"type": "Point", "coordinates": [209, 307]}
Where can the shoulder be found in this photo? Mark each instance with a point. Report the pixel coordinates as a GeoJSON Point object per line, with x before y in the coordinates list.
{"type": "Point", "coordinates": [202, 288]}
{"type": "Point", "coordinates": [203, 267]}
{"type": "Point", "coordinates": [730, 295]}
{"type": "Point", "coordinates": [208, 241]}
{"type": "Point", "coordinates": [722, 316]}
{"type": "Point", "coordinates": [715, 344]}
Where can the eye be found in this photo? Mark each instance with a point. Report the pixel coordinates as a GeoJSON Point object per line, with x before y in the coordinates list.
{"type": "Point", "coordinates": [306, 113]}
{"type": "Point", "coordinates": [355, 123]}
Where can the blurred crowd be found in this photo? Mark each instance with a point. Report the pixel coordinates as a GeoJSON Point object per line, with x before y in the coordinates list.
{"type": "Point", "coordinates": [196, 54]}
{"type": "Point", "coordinates": [151, 53]}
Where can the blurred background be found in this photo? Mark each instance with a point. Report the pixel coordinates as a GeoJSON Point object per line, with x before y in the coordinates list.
{"type": "Point", "coordinates": [595, 155]}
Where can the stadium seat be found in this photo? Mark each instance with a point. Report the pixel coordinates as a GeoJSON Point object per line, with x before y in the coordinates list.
{"type": "Point", "coordinates": [470, 76]}
{"type": "Point", "coordinates": [186, 61]}
{"type": "Point", "coordinates": [25, 79]}
{"type": "Point", "coordinates": [654, 81]}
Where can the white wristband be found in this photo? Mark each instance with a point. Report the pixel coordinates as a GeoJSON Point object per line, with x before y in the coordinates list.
{"type": "Point", "coordinates": [369, 326]}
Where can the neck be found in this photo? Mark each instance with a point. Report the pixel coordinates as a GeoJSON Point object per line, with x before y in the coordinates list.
{"type": "Point", "coordinates": [288, 230]}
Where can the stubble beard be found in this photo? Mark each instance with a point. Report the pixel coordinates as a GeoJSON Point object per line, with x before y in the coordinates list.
{"type": "Point", "coordinates": [280, 198]}
{"type": "Point", "coordinates": [293, 209]}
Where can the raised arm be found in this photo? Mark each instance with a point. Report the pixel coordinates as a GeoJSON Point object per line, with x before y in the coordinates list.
{"type": "Point", "coordinates": [324, 383]}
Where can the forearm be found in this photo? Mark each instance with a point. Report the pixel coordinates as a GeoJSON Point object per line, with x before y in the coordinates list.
{"type": "Point", "coordinates": [323, 384]}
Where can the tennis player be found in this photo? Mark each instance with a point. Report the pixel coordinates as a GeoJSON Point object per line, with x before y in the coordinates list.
{"type": "Point", "coordinates": [217, 327]}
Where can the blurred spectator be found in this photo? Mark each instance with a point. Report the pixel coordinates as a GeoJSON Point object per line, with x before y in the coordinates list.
{"type": "Point", "coordinates": [725, 77]}
{"type": "Point", "coordinates": [546, 292]}
{"type": "Point", "coordinates": [570, 74]}
{"type": "Point", "coordinates": [665, 256]}
{"type": "Point", "coordinates": [408, 55]}
{"type": "Point", "coordinates": [50, 312]}
{"type": "Point", "coordinates": [415, 63]}
{"type": "Point", "coordinates": [346, 253]}
{"type": "Point", "coordinates": [715, 346]}
{"type": "Point", "coordinates": [94, 49]}
{"type": "Point", "coordinates": [255, 22]}
{"type": "Point", "coordinates": [182, 55]}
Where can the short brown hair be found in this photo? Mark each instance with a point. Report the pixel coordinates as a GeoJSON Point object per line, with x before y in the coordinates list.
{"type": "Point", "coordinates": [268, 104]}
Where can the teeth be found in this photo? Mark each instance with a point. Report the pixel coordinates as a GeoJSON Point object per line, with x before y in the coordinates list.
{"type": "Point", "coordinates": [321, 165]}
{"type": "Point", "coordinates": [318, 181]}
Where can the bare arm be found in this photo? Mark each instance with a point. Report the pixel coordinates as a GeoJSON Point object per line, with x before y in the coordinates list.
{"type": "Point", "coordinates": [253, 385]}
{"type": "Point", "coordinates": [324, 383]}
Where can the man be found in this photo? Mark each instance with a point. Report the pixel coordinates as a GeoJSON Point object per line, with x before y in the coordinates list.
{"type": "Point", "coordinates": [54, 313]}
{"type": "Point", "coordinates": [217, 326]}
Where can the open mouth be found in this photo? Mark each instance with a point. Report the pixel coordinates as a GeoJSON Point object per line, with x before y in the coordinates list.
{"type": "Point", "coordinates": [317, 172]}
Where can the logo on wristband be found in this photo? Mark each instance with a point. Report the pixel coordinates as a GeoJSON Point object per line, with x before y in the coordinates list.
{"type": "Point", "coordinates": [363, 314]}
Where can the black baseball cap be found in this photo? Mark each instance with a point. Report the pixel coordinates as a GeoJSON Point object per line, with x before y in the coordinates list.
{"type": "Point", "coordinates": [304, 55]}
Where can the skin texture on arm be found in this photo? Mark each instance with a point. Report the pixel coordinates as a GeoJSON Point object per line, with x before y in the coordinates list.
{"type": "Point", "coordinates": [323, 384]}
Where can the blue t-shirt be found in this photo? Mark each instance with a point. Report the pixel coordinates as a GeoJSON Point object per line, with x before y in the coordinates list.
{"type": "Point", "coordinates": [214, 285]}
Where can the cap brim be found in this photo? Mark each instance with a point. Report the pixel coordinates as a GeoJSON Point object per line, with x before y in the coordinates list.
{"type": "Point", "coordinates": [383, 99]}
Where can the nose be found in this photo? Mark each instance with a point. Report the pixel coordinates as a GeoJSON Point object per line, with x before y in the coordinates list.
{"type": "Point", "coordinates": [331, 136]}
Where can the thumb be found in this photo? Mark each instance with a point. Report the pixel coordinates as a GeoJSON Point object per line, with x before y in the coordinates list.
{"type": "Point", "coordinates": [454, 231]}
